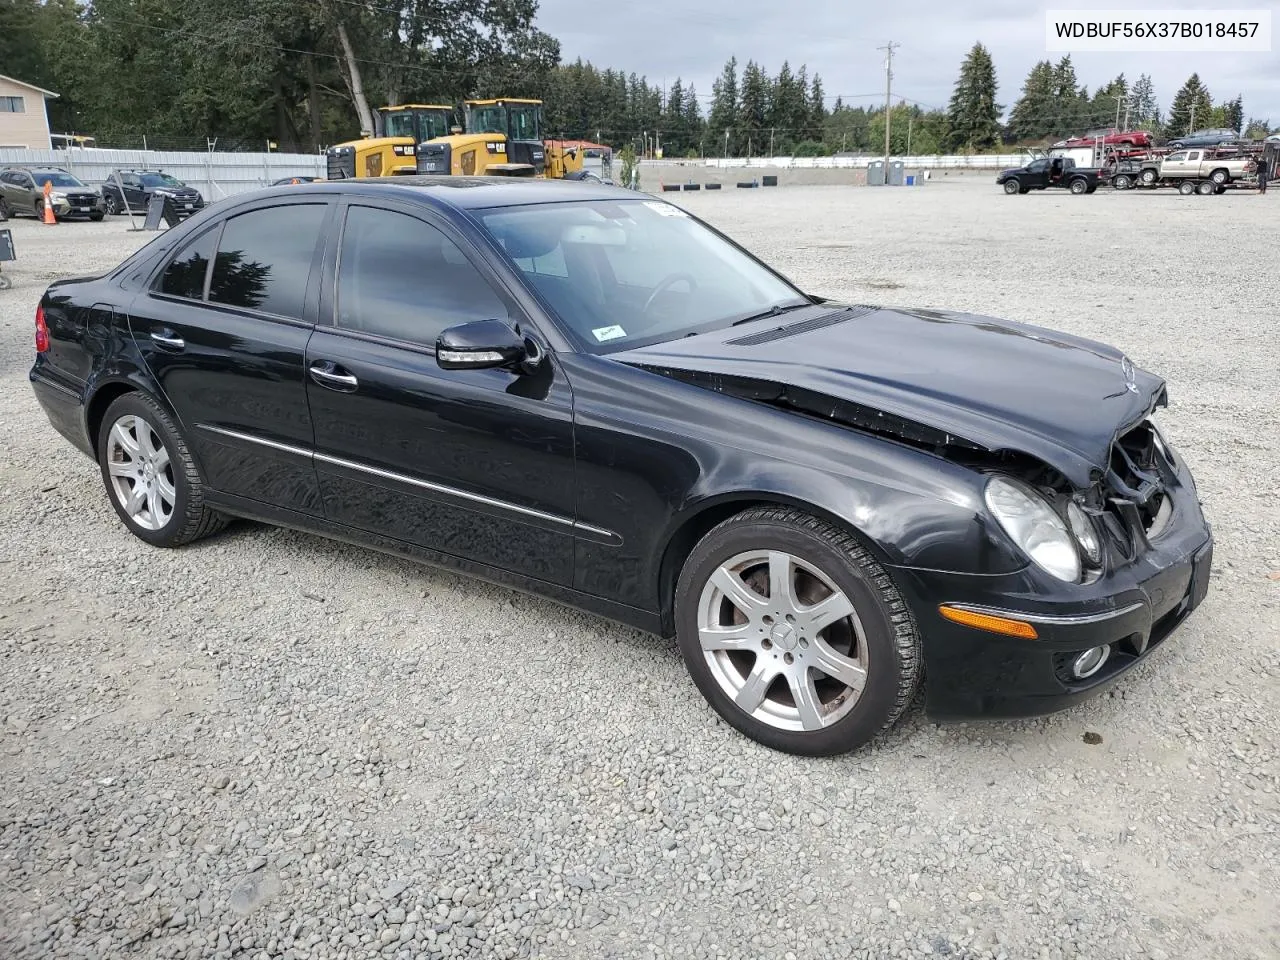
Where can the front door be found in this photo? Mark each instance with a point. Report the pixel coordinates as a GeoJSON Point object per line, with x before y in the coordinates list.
{"type": "Point", "coordinates": [224, 329]}
{"type": "Point", "coordinates": [473, 464]}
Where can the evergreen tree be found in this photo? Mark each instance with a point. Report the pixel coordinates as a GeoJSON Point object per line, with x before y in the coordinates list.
{"type": "Point", "coordinates": [723, 116]}
{"type": "Point", "coordinates": [973, 115]}
{"type": "Point", "coordinates": [1109, 101]}
{"type": "Point", "coordinates": [1029, 118]}
{"type": "Point", "coordinates": [1257, 128]}
{"type": "Point", "coordinates": [1145, 108]}
{"type": "Point", "coordinates": [1191, 108]}
{"type": "Point", "coordinates": [753, 108]}
{"type": "Point", "coordinates": [1234, 110]}
{"type": "Point", "coordinates": [1069, 111]}
{"type": "Point", "coordinates": [817, 105]}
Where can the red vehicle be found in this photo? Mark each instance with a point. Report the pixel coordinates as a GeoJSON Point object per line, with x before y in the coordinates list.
{"type": "Point", "coordinates": [1109, 137]}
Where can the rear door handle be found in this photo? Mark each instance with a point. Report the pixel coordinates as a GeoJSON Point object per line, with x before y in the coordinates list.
{"type": "Point", "coordinates": [165, 338]}
{"type": "Point", "coordinates": [329, 374]}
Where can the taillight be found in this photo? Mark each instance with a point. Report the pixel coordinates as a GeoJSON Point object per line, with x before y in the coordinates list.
{"type": "Point", "coordinates": [42, 331]}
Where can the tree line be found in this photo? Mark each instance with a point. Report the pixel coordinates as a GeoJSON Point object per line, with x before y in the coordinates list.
{"type": "Point", "coordinates": [303, 74]}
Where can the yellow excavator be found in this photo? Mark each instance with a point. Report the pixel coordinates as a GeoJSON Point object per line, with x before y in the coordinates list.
{"type": "Point", "coordinates": [394, 152]}
{"type": "Point", "coordinates": [503, 139]}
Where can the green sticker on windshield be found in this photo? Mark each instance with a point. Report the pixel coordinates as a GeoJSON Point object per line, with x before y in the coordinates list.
{"type": "Point", "coordinates": [608, 333]}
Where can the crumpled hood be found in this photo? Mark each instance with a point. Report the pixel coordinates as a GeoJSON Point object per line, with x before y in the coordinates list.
{"type": "Point", "coordinates": [997, 384]}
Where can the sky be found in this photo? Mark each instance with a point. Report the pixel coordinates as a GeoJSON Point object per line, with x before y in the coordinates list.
{"type": "Point", "coordinates": [666, 39]}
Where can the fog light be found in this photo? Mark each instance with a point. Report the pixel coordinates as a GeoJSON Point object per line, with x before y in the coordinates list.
{"type": "Point", "coordinates": [1090, 662]}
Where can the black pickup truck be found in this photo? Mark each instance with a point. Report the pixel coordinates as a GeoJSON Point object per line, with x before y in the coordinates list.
{"type": "Point", "coordinates": [1045, 172]}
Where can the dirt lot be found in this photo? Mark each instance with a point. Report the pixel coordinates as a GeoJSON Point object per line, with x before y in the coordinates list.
{"type": "Point", "coordinates": [271, 745]}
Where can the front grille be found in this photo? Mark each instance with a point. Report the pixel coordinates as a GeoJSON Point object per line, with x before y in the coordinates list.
{"type": "Point", "coordinates": [82, 199]}
{"type": "Point", "coordinates": [1138, 478]}
{"type": "Point", "coordinates": [340, 163]}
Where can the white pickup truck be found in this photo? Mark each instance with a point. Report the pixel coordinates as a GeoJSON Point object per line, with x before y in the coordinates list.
{"type": "Point", "coordinates": [1196, 165]}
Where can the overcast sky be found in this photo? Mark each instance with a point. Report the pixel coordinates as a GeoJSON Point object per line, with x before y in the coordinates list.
{"type": "Point", "coordinates": [665, 39]}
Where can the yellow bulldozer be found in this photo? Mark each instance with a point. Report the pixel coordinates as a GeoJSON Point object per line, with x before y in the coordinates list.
{"type": "Point", "coordinates": [503, 139]}
{"type": "Point", "coordinates": [394, 153]}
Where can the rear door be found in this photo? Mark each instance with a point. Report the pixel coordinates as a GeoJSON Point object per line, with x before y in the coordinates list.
{"type": "Point", "coordinates": [224, 330]}
{"type": "Point", "coordinates": [475, 464]}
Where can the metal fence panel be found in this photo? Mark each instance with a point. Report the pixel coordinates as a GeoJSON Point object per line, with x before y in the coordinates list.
{"type": "Point", "coordinates": [216, 175]}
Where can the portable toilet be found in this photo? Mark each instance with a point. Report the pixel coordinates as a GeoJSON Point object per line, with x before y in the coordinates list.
{"type": "Point", "coordinates": [896, 173]}
{"type": "Point", "coordinates": [875, 173]}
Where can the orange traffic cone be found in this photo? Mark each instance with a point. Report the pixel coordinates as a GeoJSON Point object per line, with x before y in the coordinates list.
{"type": "Point", "coordinates": [49, 218]}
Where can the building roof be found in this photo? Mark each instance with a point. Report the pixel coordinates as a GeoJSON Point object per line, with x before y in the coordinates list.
{"type": "Point", "coordinates": [29, 86]}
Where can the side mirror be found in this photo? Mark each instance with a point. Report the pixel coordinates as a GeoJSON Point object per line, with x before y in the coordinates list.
{"type": "Point", "coordinates": [455, 130]}
{"type": "Point", "coordinates": [485, 344]}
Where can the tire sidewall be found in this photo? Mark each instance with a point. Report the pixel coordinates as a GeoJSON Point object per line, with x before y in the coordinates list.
{"type": "Point", "coordinates": [112, 207]}
{"type": "Point", "coordinates": [880, 696]}
{"type": "Point", "coordinates": [134, 404]}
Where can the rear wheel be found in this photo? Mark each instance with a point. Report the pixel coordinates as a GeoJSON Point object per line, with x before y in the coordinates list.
{"type": "Point", "coordinates": [1122, 182]}
{"type": "Point", "coordinates": [794, 633]}
{"type": "Point", "coordinates": [1186, 188]}
{"type": "Point", "coordinates": [1078, 186]}
{"type": "Point", "coordinates": [150, 477]}
{"type": "Point", "coordinates": [113, 205]}
{"type": "Point", "coordinates": [1206, 188]}
{"type": "Point", "coordinates": [1220, 177]}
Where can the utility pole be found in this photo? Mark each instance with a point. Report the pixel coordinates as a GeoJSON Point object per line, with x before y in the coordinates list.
{"type": "Point", "coordinates": [1118, 100]}
{"type": "Point", "coordinates": [888, 87]}
{"type": "Point", "coordinates": [726, 144]}
{"type": "Point", "coordinates": [911, 115]}
{"type": "Point", "coordinates": [1127, 104]}
{"type": "Point", "coordinates": [1193, 116]}
{"type": "Point", "coordinates": [771, 142]}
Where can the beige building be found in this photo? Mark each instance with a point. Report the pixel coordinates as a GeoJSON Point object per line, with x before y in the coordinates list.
{"type": "Point", "coordinates": [24, 122]}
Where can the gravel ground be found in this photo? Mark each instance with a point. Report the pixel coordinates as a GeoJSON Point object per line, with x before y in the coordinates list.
{"type": "Point", "coordinates": [271, 745]}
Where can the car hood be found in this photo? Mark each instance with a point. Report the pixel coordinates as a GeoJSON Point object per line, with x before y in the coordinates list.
{"type": "Point", "coordinates": [931, 376]}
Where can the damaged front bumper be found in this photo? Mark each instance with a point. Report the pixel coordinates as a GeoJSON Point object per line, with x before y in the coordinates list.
{"type": "Point", "coordinates": [1129, 610]}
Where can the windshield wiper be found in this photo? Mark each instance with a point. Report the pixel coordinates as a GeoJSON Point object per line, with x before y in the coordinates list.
{"type": "Point", "coordinates": [774, 311]}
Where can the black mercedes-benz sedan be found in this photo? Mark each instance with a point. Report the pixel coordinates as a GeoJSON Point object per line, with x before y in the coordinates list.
{"type": "Point", "coordinates": [590, 394]}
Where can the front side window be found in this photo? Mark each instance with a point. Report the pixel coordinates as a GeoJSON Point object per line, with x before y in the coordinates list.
{"type": "Point", "coordinates": [524, 124]}
{"type": "Point", "coordinates": [264, 259]}
{"type": "Point", "coordinates": [186, 272]}
{"type": "Point", "coordinates": [1175, 157]}
{"type": "Point", "coordinates": [401, 278]}
{"type": "Point", "coordinates": [625, 273]}
{"type": "Point", "coordinates": [1037, 165]}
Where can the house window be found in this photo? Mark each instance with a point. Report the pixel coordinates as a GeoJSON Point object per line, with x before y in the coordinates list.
{"type": "Point", "coordinates": [12, 105]}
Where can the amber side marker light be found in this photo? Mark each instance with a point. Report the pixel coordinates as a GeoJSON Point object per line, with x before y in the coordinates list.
{"type": "Point", "coordinates": [992, 624]}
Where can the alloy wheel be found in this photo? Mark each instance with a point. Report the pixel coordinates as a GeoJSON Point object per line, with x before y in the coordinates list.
{"type": "Point", "coordinates": [782, 641]}
{"type": "Point", "coordinates": [141, 472]}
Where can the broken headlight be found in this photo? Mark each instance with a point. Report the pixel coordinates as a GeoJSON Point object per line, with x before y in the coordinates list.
{"type": "Point", "coordinates": [1033, 524]}
{"type": "Point", "coordinates": [1083, 530]}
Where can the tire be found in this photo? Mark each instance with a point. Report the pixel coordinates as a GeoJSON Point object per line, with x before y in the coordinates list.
{"type": "Point", "coordinates": [5, 212]}
{"type": "Point", "coordinates": [1012, 186]}
{"type": "Point", "coordinates": [1206, 188]}
{"type": "Point", "coordinates": [1122, 182]}
{"type": "Point", "coordinates": [39, 208]}
{"type": "Point", "coordinates": [1078, 187]}
{"type": "Point", "coordinates": [1220, 177]}
{"type": "Point", "coordinates": [113, 205]}
{"type": "Point", "coordinates": [1186, 188]}
{"type": "Point", "coordinates": [187, 518]}
{"type": "Point", "coordinates": [1148, 178]}
{"type": "Point", "coordinates": [96, 216]}
{"type": "Point", "coordinates": [1092, 188]}
{"type": "Point", "coordinates": [1219, 190]}
{"type": "Point", "coordinates": [874, 644]}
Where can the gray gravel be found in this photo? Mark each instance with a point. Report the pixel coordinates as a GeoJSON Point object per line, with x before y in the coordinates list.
{"type": "Point", "coordinates": [268, 745]}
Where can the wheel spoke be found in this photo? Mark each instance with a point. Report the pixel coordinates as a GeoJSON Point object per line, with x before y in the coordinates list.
{"type": "Point", "coordinates": [781, 578]}
{"type": "Point", "coordinates": [137, 497]}
{"type": "Point", "coordinates": [166, 490]}
{"type": "Point", "coordinates": [752, 694]}
{"type": "Point", "coordinates": [806, 697]}
{"type": "Point", "coordinates": [838, 666]}
{"type": "Point", "coordinates": [739, 595]}
{"type": "Point", "coordinates": [119, 469]}
{"type": "Point", "coordinates": [728, 638]}
{"type": "Point", "coordinates": [155, 505]}
{"type": "Point", "coordinates": [122, 438]}
{"type": "Point", "coordinates": [160, 460]}
{"type": "Point", "coordinates": [826, 612]}
{"type": "Point", "coordinates": [144, 437]}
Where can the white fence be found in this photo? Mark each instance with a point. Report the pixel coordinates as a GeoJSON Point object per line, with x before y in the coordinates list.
{"type": "Point", "coordinates": [952, 162]}
{"type": "Point", "coordinates": [216, 175]}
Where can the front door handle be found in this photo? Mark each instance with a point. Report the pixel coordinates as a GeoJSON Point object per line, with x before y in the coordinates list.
{"type": "Point", "coordinates": [167, 340]}
{"type": "Point", "coordinates": [329, 374]}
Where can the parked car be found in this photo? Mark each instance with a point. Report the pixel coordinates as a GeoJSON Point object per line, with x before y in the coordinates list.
{"type": "Point", "coordinates": [596, 397]}
{"type": "Point", "coordinates": [140, 185]}
{"type": "Point", "coordinates": [1045, 172]}
{"type": "Point", "coordinates": [289, 181]}
{"type": "Point", "coordinates": [1197, 165]}
{"type": "Point", "coordinates": [22, 193]}
{"type": "Point", "coordinates": [1109, 137]}
{"type": "Point", "coordinates": [1205, 138]}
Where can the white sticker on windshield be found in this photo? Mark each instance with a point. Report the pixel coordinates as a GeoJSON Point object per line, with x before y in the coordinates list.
{"type": "Point", "coordinates": [666, 209]}
{"type": "Point", "coordinates": [608, 333]}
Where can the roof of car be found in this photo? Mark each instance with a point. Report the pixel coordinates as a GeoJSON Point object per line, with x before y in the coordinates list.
{"type": "Point", "coordinates": [473, 193]}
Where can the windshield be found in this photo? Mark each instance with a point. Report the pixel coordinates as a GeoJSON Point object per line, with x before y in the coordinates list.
{"type": "Point", "coordinates": [160, 180]}
{"type": "Point", "coordinates": [418, 125]}
{"type": "Point", "coordinates": [487, 120]}
{"type": "Point", "coordinates": [56, 180]}
{"type": "Point", "coordinates": [633, 272]}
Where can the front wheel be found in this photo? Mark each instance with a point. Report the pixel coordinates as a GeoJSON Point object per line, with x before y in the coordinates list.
{"type": "Point", "coordinates": [1122, 182]}
{"type": "Point", "coordinates": [1011, 187]}
{"type": "Point", "coordinates": [150, 476]}
{"type": "Point", "coordinates": [5, 212]}
{"type": "Point", "coordinates": [1149, 178]}
{"type": "Point", "coordinates": [794, 633]}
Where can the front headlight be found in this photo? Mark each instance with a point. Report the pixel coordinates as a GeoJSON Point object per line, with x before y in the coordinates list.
{"type": "Point", "coordinates": [1083, 530]}
{"type": "Point", "coordinates": [1034, 526]}
{"type": "Point", "coordinates": [57, 196]}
